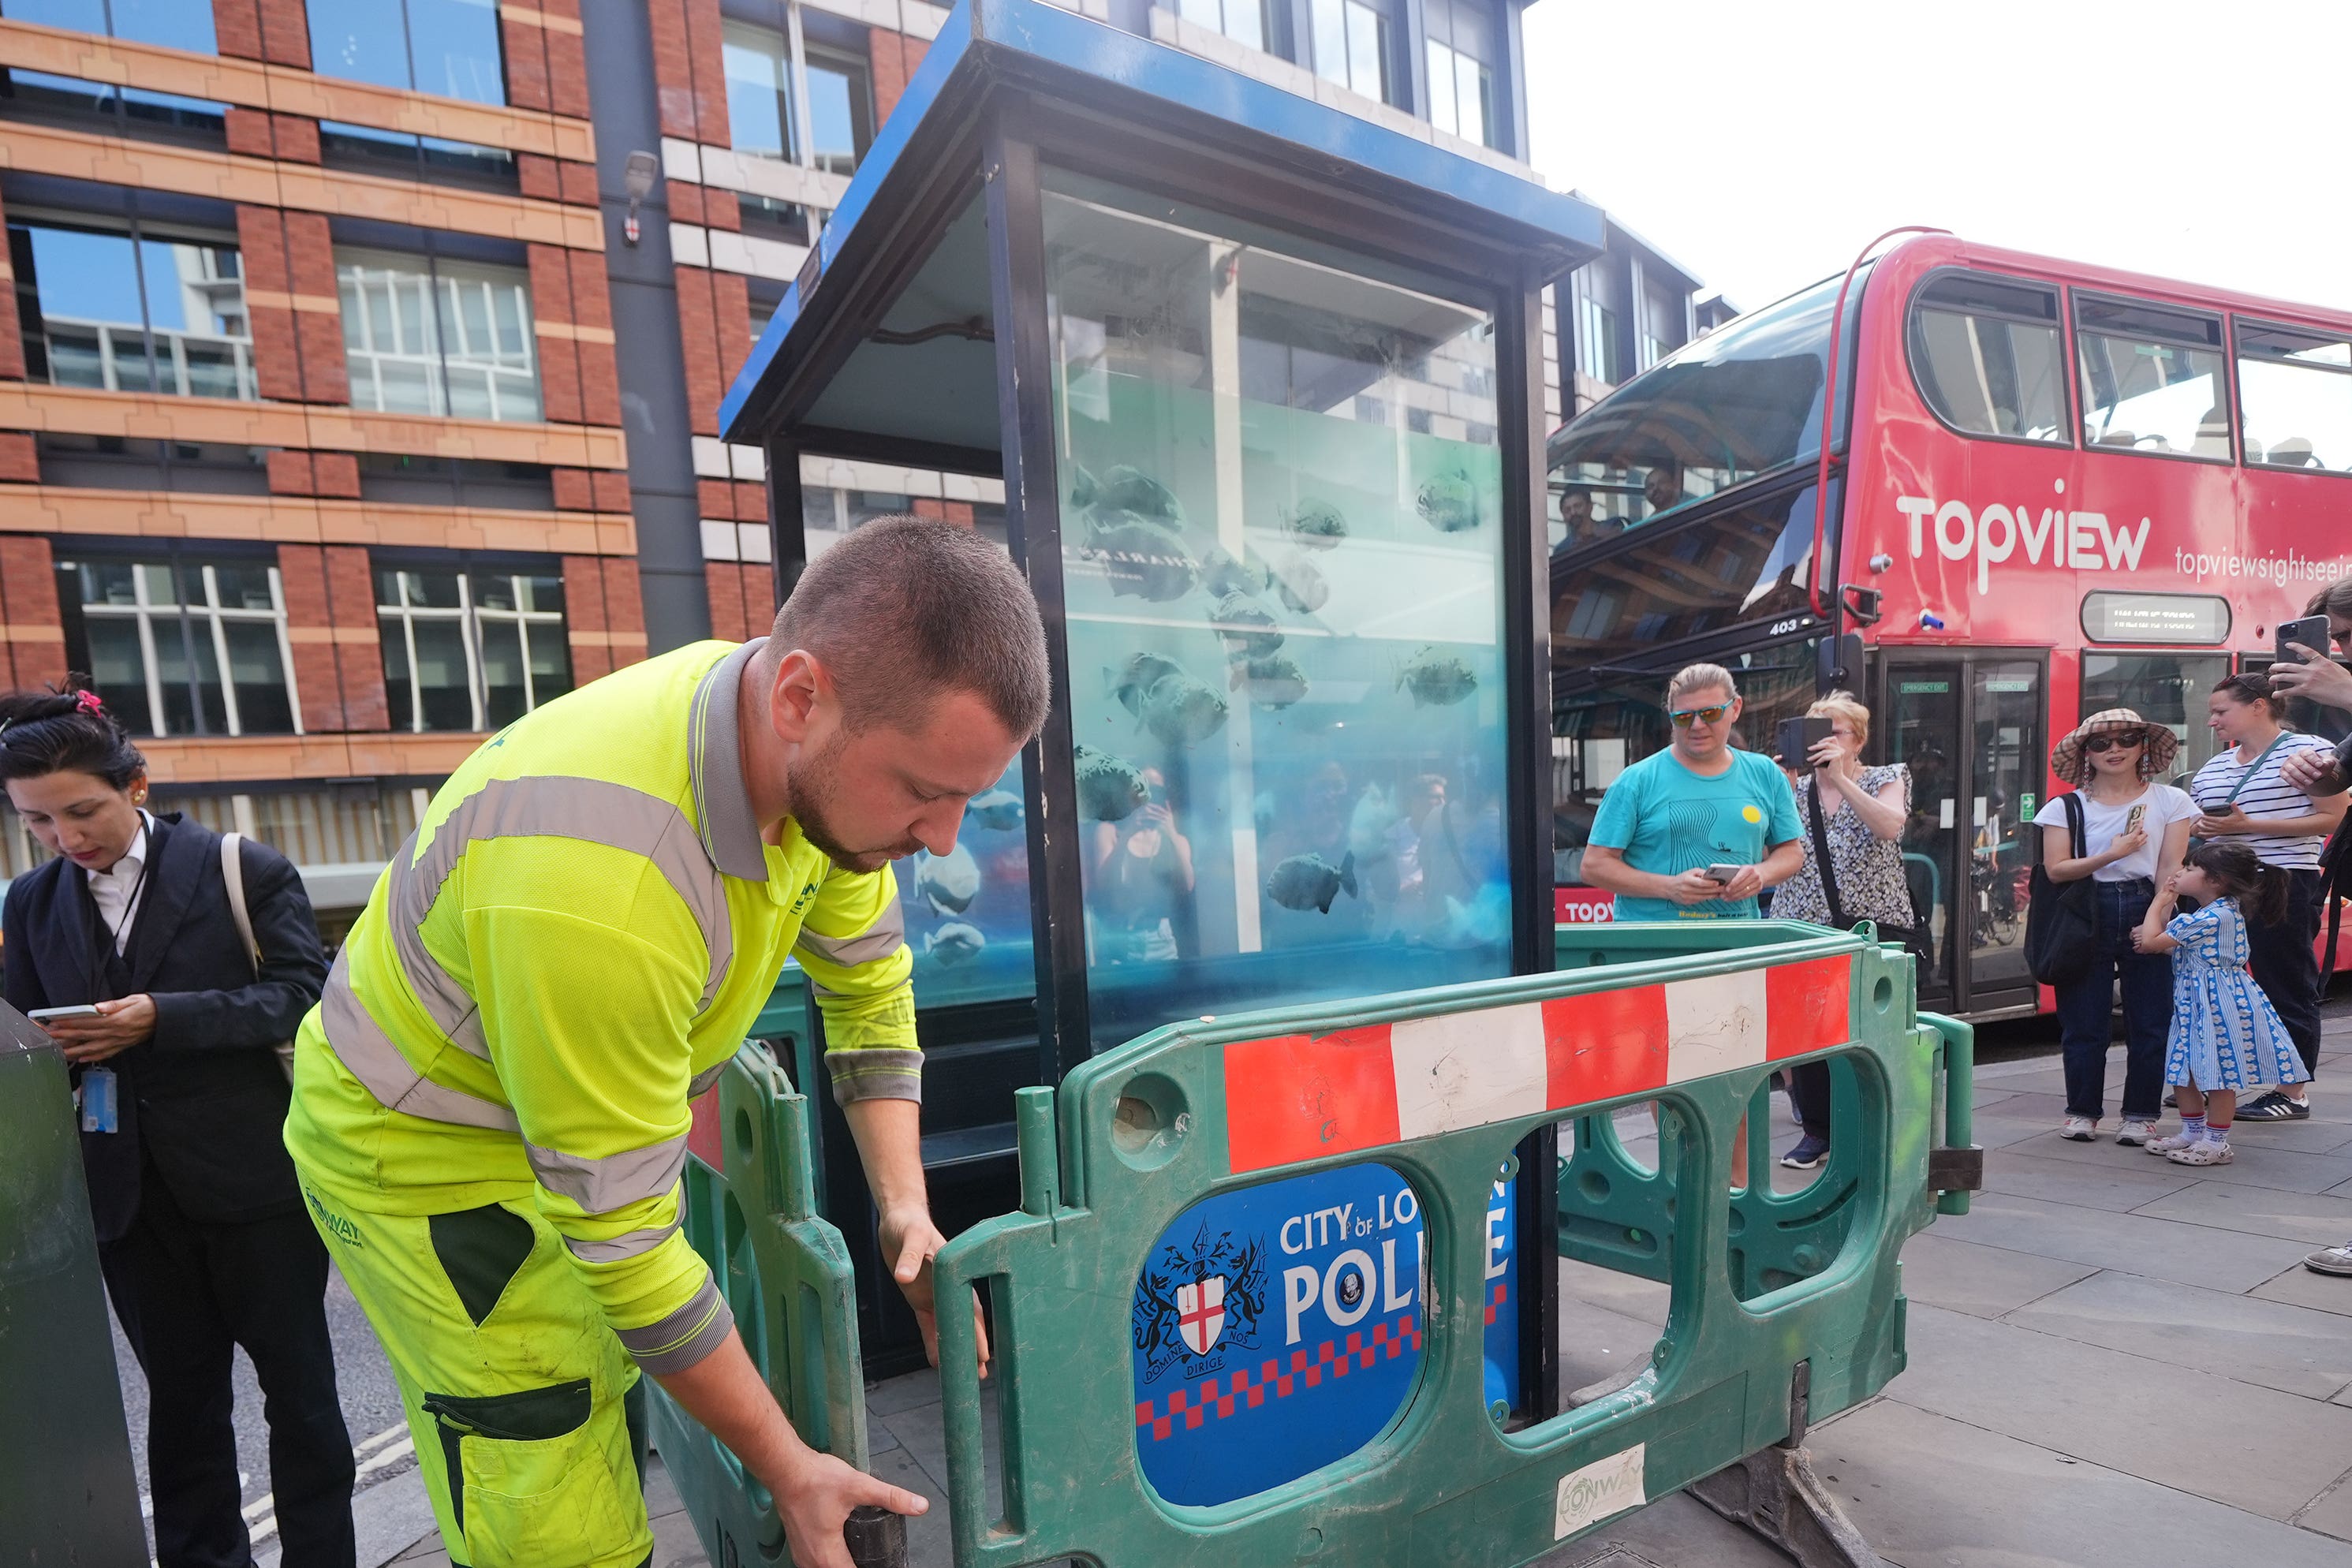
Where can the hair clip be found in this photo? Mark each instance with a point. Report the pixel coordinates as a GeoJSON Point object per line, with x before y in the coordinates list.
{"type": "Point", "coordinates": [88, 701]}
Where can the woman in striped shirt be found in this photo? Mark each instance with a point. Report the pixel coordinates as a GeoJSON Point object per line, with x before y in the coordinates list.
{"type": "Point", "coordinates": [2242, 795]}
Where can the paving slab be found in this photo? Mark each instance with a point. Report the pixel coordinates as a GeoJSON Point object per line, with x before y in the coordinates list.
{"type": "Point", "coordinates": [2162, 1248]}
{"type": "Point", "coordinates": [1676, 1531]}
{"type": "Point", "coordinates": [1932, 1492]}
{"type": "Point", "coordinates": [2124, 1411]}
{"type": "Point", "coordinates": [904, 1392]}
{"type": "Point", "coordinates": [1982, 1281]}
{"type": "Point", "coordinates": [1626, 1295]}
{"type": "Point", "coordinates": [2331, 1515]}
{"type": "Point", "coordinates": [2255, 1166]}
{"type": "Point", "coordinates": [1596, 1343]}
{"type": "Point", "coordinates": [2300, 1286]}
{"type": "Point", "coordinates": [2260, 1211]}
{"type": "Point", "coordinates": [2120, 1188]}
{"type": "Point", "coordinates": [2295, 1350]}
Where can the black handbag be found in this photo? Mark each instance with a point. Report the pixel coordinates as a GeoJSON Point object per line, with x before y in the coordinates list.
{"type": "Point", "coordinates": [2062, 919]}
{"type": "Point", "coordinates": [1912, 939]}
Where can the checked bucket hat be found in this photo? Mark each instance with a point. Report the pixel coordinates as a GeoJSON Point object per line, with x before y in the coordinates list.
{"type": "Point", "coordinates": [2066, 757]}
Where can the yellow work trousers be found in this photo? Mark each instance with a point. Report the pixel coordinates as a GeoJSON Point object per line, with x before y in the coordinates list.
{"type": "Point", "coordinates": [526, 1411]}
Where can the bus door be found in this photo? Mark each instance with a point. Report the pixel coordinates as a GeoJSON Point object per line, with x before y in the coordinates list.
{"type": "Point", "coordinates": [1969, 725]}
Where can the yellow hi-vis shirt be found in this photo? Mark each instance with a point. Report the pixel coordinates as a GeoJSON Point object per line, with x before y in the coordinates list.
{"type": "Point", "coordinates": [571, 947]}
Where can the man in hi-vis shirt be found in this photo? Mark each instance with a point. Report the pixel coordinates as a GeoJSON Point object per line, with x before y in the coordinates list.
{"type": "Point", "coordinates": [490, 1102]}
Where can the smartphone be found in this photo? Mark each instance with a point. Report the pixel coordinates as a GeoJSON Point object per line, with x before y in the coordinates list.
{"type": "Point", "coordinates": [2311, 631]}
{"type": "Point", "coordinates": [2132, 819]}
{"type": "Point", "coordinates": [83, 1010]}
{"type": "Point", "coordinates": [1797, 737]}
{"type": "Point", "coordinates": [1724, 873]}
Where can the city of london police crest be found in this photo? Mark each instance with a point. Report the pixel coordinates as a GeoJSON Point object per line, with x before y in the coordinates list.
{"type": "Point", "coordinates": [1192, 1302]}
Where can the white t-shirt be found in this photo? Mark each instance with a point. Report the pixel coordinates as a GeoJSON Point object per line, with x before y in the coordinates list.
{"type": "Point", "coordinates": [2265, 795]}
{"type": "Point", "coordinates": [2102, 824]}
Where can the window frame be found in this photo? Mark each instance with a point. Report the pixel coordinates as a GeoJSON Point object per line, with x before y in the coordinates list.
{"type": "Point", "coordinates": [2238, 403]}
{"type": "Point", "coordinates": [2070, 368]}
{"type": "Point", "coordinates": [408, 43]}
{"type": "Point", "coordinates": [139, 233]}
{"type": "Point", "coordinates": [144, 615]}
{"type": "Point", "coordinates": [432, 261]}
{"type": "Point", "coordinates": [469, 617]}
{"type": "Point", "coordinates": [2220, 348]}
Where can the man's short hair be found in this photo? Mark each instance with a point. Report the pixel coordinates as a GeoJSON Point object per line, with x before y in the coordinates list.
{"type": "Point", "coordinates": [905, 609]}
{"type": "Point", "coordinates": [1700, 678]}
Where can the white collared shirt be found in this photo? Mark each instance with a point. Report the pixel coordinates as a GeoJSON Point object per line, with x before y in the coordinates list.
{"type": "Point", "coordinates": [118, 889]}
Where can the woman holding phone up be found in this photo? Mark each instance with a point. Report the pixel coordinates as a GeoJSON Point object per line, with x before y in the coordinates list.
{"type": "Point", "coordinates": [2135, 833]}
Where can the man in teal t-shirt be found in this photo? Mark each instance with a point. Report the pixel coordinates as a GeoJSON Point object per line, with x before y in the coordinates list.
{"type": "Point", "coordinates": [1700, 802]}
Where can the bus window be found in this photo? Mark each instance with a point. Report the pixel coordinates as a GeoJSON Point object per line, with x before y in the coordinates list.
{"type": "Point", "coordinates": [2303, 714]}
{"type": "Point", "coordinates": [1987, 356]}
{"type": "Point", "coordinates": [2294, 389]}
{"type": "Point", "coordinates": [2152, 379]}
{"type": "Point", "coordinates": [1744, 564]}
{"type": "Point", "coordinates": [2166, 689]}
{"type": "Point", "coordinates": [1742, 401]}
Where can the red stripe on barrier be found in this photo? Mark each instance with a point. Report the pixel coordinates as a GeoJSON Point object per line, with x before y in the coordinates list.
{"type": "Point", "coordinates": [1604, 1044]}
{"type": "Point", "coordinates": [1294, 1097]}
{"type": "Point", "coordinates": [703, 1139]}
{"type": "Point", "coordinates": [1809, 1005]}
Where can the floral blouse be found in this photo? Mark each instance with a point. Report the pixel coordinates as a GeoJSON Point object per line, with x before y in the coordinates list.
{"type": "Point", "coordinates": [1868, 868]}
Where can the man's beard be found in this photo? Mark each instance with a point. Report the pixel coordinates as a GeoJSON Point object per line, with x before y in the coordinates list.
{"type": "Point", "coordinates": [813, 783]}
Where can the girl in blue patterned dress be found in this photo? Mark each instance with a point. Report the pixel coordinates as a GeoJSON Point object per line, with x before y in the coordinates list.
{"type": "Point", "coordinates": [2225, 1033]}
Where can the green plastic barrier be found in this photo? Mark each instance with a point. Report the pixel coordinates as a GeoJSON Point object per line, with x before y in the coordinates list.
{"type": "Point", "coordinates": [1439, 1085]}
{"type": "Point", "coordinates": [1617, 1211]}
{"type": "Point", "coordinates": [754, 1218]}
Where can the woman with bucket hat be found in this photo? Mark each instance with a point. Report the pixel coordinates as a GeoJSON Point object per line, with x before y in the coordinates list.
{"type": "Point", "coordinates": [2127, 835]}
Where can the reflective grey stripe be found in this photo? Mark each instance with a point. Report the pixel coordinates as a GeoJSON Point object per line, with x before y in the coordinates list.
{"type": "Point", "coordinates": [886, 936]}
{"type": "Point", "coordinates": [600, 1187]}
{"type": "Point", "coordinates": [702, 1080]}
{"type": "Point", "coordinates": [882, 1072]}
{"type": "Point", "coordinates": [595, 811]}
{"type": "Point", "coordinates": [722, 801]}
{"type": "Point", "coordinates": [685, 1337]}
{"type": "Point", "coordinates": [622, 1247]}
{"type": "Point", "coordinates": [361, 1044]}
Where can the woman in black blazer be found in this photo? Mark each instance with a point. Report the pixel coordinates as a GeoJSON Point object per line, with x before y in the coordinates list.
{"type": "Point", "coordinates": [200, 1228]}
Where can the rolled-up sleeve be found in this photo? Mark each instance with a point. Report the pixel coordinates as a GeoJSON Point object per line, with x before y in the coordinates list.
{"type": "Point", "coordinates": [853, 944]}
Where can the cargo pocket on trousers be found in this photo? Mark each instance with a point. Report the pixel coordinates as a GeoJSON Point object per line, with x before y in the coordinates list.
{"type": "Point", "coordinates": [529, 1480]}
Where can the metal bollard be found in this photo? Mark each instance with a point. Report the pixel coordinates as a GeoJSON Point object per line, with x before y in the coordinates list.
{"type": "Point", "coordinates": [876, 1537]}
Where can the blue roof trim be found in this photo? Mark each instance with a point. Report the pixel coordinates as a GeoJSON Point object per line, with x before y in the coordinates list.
{"type": "Point", "coordinates": [1036, 40]}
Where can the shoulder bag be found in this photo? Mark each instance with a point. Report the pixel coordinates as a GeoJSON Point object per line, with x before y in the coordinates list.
{"type": "Point", "coordinates": [2062, 919]}
{"type": "Point", "coordinates": [1912, 938]}
{"type": "Point", "coordinates": [233, 874]}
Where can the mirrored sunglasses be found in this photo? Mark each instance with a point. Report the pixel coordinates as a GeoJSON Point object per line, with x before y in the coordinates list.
{"type": "Point", "coordinates": [1683, 717]}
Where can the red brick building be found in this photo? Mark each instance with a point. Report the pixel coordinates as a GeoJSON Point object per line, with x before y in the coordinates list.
{"type": "Point", "coordinates": [342, 420]}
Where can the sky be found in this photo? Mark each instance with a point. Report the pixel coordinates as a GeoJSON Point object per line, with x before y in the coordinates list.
{"type": "Point", "coordinates": [1768, 142]}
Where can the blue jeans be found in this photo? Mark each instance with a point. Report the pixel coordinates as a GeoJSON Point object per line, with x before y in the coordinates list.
{"type": "Point", "coordinates": [2085, 1006]}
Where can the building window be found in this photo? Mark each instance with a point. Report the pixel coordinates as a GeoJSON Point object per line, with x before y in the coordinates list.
{"type": "Point", "coordinates": [1460, 43]}
{"type": "Point", "coordinates": [112, 110]}
{"type": "Point", "coordinates": [132, 309]}
{"type": "Point", "coordinates": [759, 90]}
{"type": "Point", "coordinates": [188, 647]}
{"type": "Point", "coordinates": [1351, 47]}
{"type": "Point", "coordinates": [1595, 327]}
{"type": "Point", "coordinates": [398, 154]}
{"type": "Point", "coordinates": [430, 335]}
{"type": "Point", "coordinates": [173, 24]}
{"type": "Point", "coordinates": [470, 650]}
{"type": "Point", "coordinates": [760, 116]}
{"type": "Point", "coordinates": [841, 110]}
{"type": "Point", "coordinates": [446, 46]}
{"type": "Point", "coordinates": [1242, 21]}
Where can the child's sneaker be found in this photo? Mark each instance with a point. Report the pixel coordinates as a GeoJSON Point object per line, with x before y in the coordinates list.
{"type": "Point", "coordinates": [2136, 1131]}
{"type": "Point", "coordinates": [2079, 1129]}
{"type": "Point", "coordinates": [2167, 1144]}
{"type": "Point", "coordinates": [2204, 1151]}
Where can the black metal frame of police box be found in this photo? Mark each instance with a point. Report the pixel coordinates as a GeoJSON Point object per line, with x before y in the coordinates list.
{"type": "Point", "coordinates": [1025, 125]}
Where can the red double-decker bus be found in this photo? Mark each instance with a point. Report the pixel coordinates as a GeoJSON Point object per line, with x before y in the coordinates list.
{"type": "Point", "coordinates": [2050, 488]}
